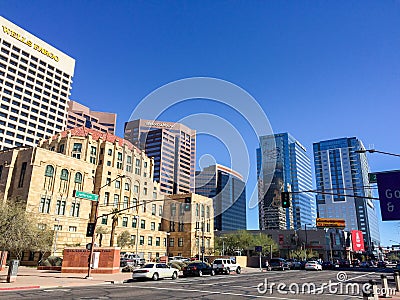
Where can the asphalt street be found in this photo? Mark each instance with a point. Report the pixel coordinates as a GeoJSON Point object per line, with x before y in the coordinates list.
{"type": "Point", "coordinates": [292, 284]}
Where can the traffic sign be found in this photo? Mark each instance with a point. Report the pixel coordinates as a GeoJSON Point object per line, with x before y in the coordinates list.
{"type": "Point", "coordinates": [84, 195]}
{"type": "Point", "coordinates": [389, 195]}
{"type": "Point", "coordinates": [258, 248]}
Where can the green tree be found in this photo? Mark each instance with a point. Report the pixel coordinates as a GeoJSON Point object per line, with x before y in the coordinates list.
{"type": "Point", "coordinates": [124, 239]}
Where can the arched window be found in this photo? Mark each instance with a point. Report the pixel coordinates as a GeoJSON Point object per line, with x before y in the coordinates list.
{"type": "Point", "coordinates": [64, 174]}
{"type": "Point", "coordinates": [78, 177]}
{"type": "Point", "coordinates": [49, 171]}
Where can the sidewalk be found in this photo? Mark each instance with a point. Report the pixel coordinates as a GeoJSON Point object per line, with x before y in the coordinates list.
{"type": "Point", "coordinates": [31, 278]}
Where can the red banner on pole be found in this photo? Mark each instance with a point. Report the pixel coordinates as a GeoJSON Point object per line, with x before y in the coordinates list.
{"type": "Point", "coordinates": [357, 240]}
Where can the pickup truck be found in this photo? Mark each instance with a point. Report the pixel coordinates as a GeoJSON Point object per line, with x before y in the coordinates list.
{"type": "Point", "coordinates": [131, 259]}
{"type": "Point", "coordinates": [225, 266]}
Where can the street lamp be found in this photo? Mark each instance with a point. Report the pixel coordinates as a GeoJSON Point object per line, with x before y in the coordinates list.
{"type": "Point", "coordinates": [55, 238]}
{"type": "Point", "coordinates": [376, 151]}
{"type": "Point", "coordinates": [90, 260]}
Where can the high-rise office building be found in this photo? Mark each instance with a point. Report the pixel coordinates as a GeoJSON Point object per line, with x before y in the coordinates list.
{"type": "Point", "coordinates": [344, 173]}
{"type": "Point", "coordinates": [173, 147]}
{"type": "Point", "coordinates": [81, 115]}
{"type": "Point", "coordinates": [228, 191]}
{"type": "Point", "coordinates": [35, 85]}
{"type": "Point", "coordinates": [292, 173]}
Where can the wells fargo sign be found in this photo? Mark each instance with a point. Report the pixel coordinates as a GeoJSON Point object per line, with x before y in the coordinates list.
{"type": "Point", "coordinates": [29, 43]}
{"type": "Point", "coordinates": [331, 223]}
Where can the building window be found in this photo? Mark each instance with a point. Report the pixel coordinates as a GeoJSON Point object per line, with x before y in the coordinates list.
{"type": "Point", "coordinates": [106, 198]}
{"type": "Point", "coordinates": [137, 167]}
{"type": "Point", "coordinates": [44, 206]}
{"type": "Point", "coordinates": [180, 226]}
{"type": "Point", "coordinates": [144, 191]}
{"type": "Point", "coordinates": [160, 210]}
{"type": "Point", "coordinates": [182, 209]}
{"type": "Point", "coordinates": [171, 226]}
{"type": "Point", "coordinates": [127, 187]}
{"type": "Point", "coordinates": [141, 240]}
{"type": "Point", "coordinates": [154, 195]}
{"type": "Point", "coordinates": [180, 242]}
{"type": "Point", "coordinates": [75, 206]}
{"type": "Point", "coordinates": [78, 177]}
{"type": "Point", "coordinates": [208, 212]}
{"type": "Point", "coordinates": [60, 207]}
{"type": "Point", "coordinates": [117, 184]}
{"type": "Point", "coordinates": [134, 203]}
{"type": "Point", "coordinates": [136, 189]}
{"type": "Point", "coordinates": [165, 242]}
{"type": "Point", "coordinates": [125, 222]}
{"type": "Point", "coordinates": [104, 220]}
{"type": "Point", "coordinates": [133, 239]}
{"type": "Point", "coordinates": [116, 200]}
{"type": "Point", "coordinates": [49, 171]}
{"type": "Point", "coordinates": [153, 209]}
{"type": "Point", "coordinates": [109, 152]}
{"type": "Point", "coordinates": [64, 174]}
{"type": "Point", "coordinates": [197, 210]}
{"type": "Point", "coordinates": [22, 175]}
{"type": "Point", "coordinates": [153, 226]}
{"type": "Point", "coordinates": [202, 210]}
{"type": "Point", "coordinates": [72, 228]}
{"type": "Point", "coordinates": [208, 226]}
{"type": "Point", "coordinates": [173, 209]}
{"type": "Point", "coordinates": [143, 224]}
{"type": "Point", "coordinates": [126, 202]}
{"type": "Point", "coordinates": [144, 206]}
{"type": "Point", "coordinates": [119, 160]}
{"type": "Point", "coordinates": [171, 242]}
{"type": "Point", "coordinates": [157, 241]}
{"type": "Point", "coordinates": [77, 150]}
{"type": "Point", "coordinates": [134, 222]}
{"type": "Point", "coordinates": [150, 241]}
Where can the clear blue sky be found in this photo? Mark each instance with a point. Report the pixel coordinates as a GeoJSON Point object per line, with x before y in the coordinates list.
{"type": "Point", "coordinates": [319, 69]}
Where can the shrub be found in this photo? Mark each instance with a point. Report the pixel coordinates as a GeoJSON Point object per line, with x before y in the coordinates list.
{"type": "Point", "coordinates": [52, 261]}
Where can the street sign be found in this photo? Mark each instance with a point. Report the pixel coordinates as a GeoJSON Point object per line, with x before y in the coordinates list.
{"type": "Point", "coordinates": [372, 177]}
{"type": "Point", "coordinates": [258, 248]}
{"type": "Point", "coordinates": [84, 195]}
{"type": "Point", "coordinates": [389, 195]}
{"type": "Point", "coordinates": [331, 223]}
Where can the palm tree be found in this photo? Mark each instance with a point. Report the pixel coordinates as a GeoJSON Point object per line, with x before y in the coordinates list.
{"type": "Point", "coordinates": [114, 224]}
{"type": "Point", "coordinates": [100, 231]}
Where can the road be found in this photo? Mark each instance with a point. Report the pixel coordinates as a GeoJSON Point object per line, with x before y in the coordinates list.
{"type": "Point", "coordinates": [222, 287]}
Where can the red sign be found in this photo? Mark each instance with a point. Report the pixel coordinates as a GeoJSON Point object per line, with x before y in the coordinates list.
{"type": "Point", "coordinates": [357, 240]}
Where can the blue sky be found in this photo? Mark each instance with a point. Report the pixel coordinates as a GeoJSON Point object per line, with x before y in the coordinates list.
{"type": "Point", "coordinates": [319, 69]}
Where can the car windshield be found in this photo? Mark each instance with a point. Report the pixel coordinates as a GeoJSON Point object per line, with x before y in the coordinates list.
{"type": "Point", "coordinates": [148, 266]}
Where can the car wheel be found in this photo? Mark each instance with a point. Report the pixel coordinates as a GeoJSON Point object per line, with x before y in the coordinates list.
{"type": "Point", "coordinates": [238, 270]}
{"type": "Point", "coordinates": [228, 271]}
{"type": "Point", "coordinates": [212, 272]}
{"type": "Point", "coordinates": [155, 276]}
{"type": "Point", "coordinates": [174, 276]}
{"type": "Point", "coordinates": [200, 273]}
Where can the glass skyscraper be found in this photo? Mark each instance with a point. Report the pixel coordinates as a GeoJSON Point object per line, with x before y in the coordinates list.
{"type": "Point", "coordinates": [343, 172]}
{"type": "Point", "coordinates": [292, 173]}
{"type": "Point", "coordinates": [228, 191]}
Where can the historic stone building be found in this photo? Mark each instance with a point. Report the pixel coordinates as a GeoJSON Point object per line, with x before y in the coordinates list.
{"type": "Point", "coordinates": [189, 220]}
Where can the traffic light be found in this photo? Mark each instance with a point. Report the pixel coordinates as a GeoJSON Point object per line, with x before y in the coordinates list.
{"type": "Point", "coordinates": [90, 229]}
{"type": "Point", "coordinates": [188, 202]}
{"type": "Point", "coordinates": [285, 199]}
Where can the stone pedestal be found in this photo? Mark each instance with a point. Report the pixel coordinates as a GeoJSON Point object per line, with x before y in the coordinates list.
{"type": "Point", "coordinates": [75, 260]}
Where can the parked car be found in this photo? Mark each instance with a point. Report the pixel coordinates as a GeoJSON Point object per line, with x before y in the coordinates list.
{"type": "Point", "coordinates": [328, 265]}
{"type": "Point", "coordinates": [381, 264]}
{"type": "Point", "coordinates": [344, 263]}
{"type": "Point", "coordinates": [355, 263]}
{"type": "Point", "coordinates": [155, 271]}
{"type": "Point", "coordinates": [294, 264]}
{"type": "Point", "coordinates": [367, 264]}
{"type": "Point", "coordinates": [278, 264]}
{"type": "Point", "coordinates": [313, 265]}
{"type": "Point", "coordinates": [198, 269]}
{"type": "Point", "coordinates": [178, 258]}
{"type": "Point", "coordinates": [225, 266]}
{"type": "Point", "coordinates": [131, 259]}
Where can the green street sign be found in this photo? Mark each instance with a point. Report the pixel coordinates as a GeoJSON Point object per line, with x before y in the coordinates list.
{"type": "Point", "coordinates": [372, 178]}
{"type": "Point", "coordinates": [84, 195]}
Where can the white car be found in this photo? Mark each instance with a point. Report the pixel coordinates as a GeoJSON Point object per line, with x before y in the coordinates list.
{"type": "Point", "coordinates": [155, 271]}
{"type": "Point", "coordinates": [313, 265]}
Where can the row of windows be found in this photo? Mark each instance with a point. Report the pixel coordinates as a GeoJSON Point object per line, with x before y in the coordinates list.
{"type": "Point", "coordinates": [60, 208]}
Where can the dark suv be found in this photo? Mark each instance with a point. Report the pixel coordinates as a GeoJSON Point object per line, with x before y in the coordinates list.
{"type": "Point", "coordinates": [278, 264]}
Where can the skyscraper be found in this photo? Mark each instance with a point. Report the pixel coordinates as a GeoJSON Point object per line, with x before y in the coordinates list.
{"type": "Point", "coordinates": [343, 172]}
{"type": "Point", "coordinates": [173, 147]}
{"type": "Point", "coordinates": [81, 115]}
{"type": "Point", "coordinates": [292, 173]}
{"type": "Point", "coordinates": [35, 85]}
{"type": "Point", "coordinates": [228, 191]}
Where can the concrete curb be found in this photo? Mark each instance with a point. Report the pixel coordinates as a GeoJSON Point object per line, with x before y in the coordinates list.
{"type": "Point", "coordinates": [20, 288]}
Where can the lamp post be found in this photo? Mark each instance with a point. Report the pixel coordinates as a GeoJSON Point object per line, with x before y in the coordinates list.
{"type": "Point", "coordinates": [55, 238]}
{"type": "Point", "coordinates": [137, 233]}
{"type": "Point", "coordinates": [223, 245]}
{"type": "Point", "coordinates": [96, 211]}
